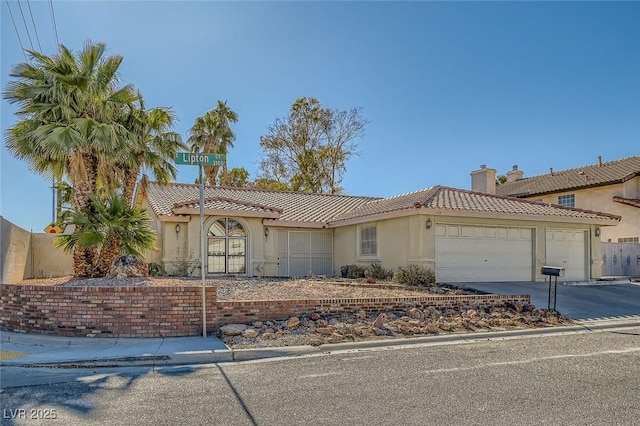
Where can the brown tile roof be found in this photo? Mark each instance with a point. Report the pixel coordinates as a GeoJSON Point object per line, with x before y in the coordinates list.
{"type": "Point", "coordinates": [453, 199]}
{"type": "Point", "coordinates": [323, 209]}
{"type": "Point", "coordinates": [628, 201]}
{"type": "Point", "coordinates": [290, 206]}
{"type": "Point", "coordinates": [608, 173]}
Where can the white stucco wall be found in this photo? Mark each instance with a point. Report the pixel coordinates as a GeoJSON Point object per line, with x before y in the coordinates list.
{"type": "Point", "coordinates": [406, 240]}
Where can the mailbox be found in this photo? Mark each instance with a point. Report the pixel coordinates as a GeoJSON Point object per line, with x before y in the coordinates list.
{"type": "Point", "coordinates": [552, 271]}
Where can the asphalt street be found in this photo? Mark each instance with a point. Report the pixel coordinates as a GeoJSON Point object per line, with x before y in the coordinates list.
{"type": "Point", "coordinates": [572, 379]}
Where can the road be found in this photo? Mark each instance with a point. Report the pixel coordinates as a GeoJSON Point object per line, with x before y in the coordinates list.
{"type": "Point", "coordinates": [570, 379]}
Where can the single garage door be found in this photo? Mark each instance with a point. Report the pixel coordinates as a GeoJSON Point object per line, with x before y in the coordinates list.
{"type": "Point", "coordinates": [466, 253]}
{"type": "Point", "coordinates": [566, 248]}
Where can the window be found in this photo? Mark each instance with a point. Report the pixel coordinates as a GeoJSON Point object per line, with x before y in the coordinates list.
{"type": "Point", "coordinates": [567, 200]}
{"type": "Point", "coordinates": [368, 241]}
{"type": "Point", "coordinates": [226, 242]}
{"type": "Point", "coordinates": [629, 240]}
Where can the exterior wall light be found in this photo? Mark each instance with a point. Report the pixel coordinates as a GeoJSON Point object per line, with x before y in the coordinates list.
{"type": "Point", "coordinates": [266, 232]}
{"type": "Point", "coordinates": [597, 232]}
{"type": "Point", "coordinates": [428, 223]}
{"type": "Point", "coordinates": [178, 228]}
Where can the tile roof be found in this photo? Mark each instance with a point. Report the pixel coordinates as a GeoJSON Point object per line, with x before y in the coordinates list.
{"type": "Point", "coordinates": [453, 199]}
{"type": "Point", "coordinates": [327, 209]}
{"type": "Point", "coordinates": [291, 206]}
{"type": "Point", "coordinates": [607, 173]}
{"type": "Point", "coordinates": [628, 201]}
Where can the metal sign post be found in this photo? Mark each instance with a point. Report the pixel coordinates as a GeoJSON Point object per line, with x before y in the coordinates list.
{"type": "Point", "coordinates": [201, 159]}
{"type": "Point", "coordinates": [202, 253]}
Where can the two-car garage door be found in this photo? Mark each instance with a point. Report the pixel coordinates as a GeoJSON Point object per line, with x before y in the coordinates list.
{"type": "Point", "coordinates": [466, 253]}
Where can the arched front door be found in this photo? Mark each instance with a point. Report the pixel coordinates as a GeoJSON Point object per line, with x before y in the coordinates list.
{"type": "Point", "coordinates": [227, 243]}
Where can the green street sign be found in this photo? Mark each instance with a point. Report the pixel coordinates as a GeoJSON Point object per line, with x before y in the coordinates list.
{"type": "Point", "coordinates": [200, 158]}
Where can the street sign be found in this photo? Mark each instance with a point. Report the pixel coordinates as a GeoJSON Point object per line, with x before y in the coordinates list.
{"type": "Point", "coordinates": [53, 229]}
{"type": "Point", "coordinates": [200, 159]}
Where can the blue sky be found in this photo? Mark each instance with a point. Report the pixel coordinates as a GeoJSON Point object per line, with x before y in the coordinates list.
{"type": "Point", "coordinates": [446, 86]}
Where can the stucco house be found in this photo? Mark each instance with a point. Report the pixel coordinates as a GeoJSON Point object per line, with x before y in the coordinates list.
{"type": "Point", "coordinates": [612, 187]}
{"type": "Point", "coordinates": [463, 235]}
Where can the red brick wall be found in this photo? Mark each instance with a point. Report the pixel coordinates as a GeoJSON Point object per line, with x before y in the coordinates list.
{"type": "Point", "coordinates": [177, 311]}
{"type": "Point", "coordinates": [250, 310]}
{"type": "Point", "coordinates": [105, 311]}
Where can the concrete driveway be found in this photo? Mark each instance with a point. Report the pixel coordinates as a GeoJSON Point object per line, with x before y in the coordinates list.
{"type": "Point", "coordinates": [580, 301]}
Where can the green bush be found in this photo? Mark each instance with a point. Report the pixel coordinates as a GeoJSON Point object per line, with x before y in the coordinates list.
{"type": "Point", "coordinates": [415, 275]}
{"type": "Point", "coordinates": [355, 271]}
{"type": "Point", "coordinates": [376, 271]}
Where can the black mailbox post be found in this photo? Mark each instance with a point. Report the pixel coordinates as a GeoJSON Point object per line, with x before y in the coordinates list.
{"type": "Point", "coordinates": [552, 271]}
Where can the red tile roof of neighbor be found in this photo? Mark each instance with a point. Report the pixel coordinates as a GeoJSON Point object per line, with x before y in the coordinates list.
{"type": "Point", "coordinates": [601, 174]}
{"type": "Point", "coordinates": [327, 210]}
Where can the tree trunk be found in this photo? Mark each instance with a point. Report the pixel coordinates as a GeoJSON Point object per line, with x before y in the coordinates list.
{"type": "Point", "coordinates": [130, 179]}
{"type": "Point", "coordinates": [84, 258]}
{"type": "Point", "coordinates": [109, 253]}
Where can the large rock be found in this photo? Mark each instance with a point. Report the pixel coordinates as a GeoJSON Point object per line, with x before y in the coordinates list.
{"type": "Point", "coordinates": [233, 329]}
{"type": "Point", "coordinates": [292, 322]}
{"type": "Point", "coordinates": [129, 266]}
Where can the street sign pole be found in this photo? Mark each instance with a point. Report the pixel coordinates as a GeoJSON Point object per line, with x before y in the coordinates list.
{"type": "Point", "coordinates": [201, 159]}
{"type": "Point", "coordinates": [202, 253]}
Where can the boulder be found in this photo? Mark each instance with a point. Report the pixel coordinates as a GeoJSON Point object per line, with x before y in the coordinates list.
{"type": "Point", "coordinates": [130, 266]}
{"type": "Point", "coordinates": [415, 313]}
{"type": "Point", "coordinates": [233, 329]}
{"type": "Point", "coordinates": [379, 322]}
{"type": "Point", "coordinates": [250, 333]}
{"type": "Point", "coordinates": [292, 322]}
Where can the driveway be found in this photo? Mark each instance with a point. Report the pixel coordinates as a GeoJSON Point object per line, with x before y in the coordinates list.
{"type": "Point", "coordinates": [579, 301]}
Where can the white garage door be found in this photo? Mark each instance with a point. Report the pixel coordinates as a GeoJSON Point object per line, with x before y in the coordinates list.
{"type": "Point", "coordinates": [466, 253]}
{"type": "Point", "coordinates": [566, 248]}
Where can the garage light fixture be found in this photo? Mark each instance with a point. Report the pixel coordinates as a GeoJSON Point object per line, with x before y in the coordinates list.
{"type": "Point", "coordinates": [597, 232]}
{"type": "Point", "coordinates": [266, 232]}
{"type": "Point", "coordinates": [428, 223]}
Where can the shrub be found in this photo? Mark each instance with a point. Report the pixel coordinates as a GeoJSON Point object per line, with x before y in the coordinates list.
{"type": "Point", "coordinates": [416, 275]}
{"type": "Point", "coordinates": [156, 270]}
{"type": "Point", "coordinates": [377, 272]}
{"type": "Point", "coordinates": [355, 271]}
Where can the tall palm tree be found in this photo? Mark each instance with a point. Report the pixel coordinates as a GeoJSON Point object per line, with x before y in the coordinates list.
{"type": "Point", "coordinates": [68, 123]}
{"type": "Point", "coordinates": [212, 133]}
{"type": "Point", "coordinates": [153, 146]}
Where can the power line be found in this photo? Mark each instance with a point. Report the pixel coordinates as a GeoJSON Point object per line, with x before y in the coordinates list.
{"type": "Point", "coordinates": [53, 19]}
{"type": "Point", "coordinates": [25, 25]}
{"type": "Point", "coordinates": [17, 32]}
{"type": "Point", "coordinates": [34, 25]}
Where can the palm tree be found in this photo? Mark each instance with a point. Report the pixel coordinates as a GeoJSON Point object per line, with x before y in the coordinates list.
{"type": "Point", "coordinates": [212, 133]}
{"type": "Point", "coordinates": [68, 123]}
{"type": "Point", "coordinates": [109, 218]}
{"type": "Point", "coordinates": [154, 146]}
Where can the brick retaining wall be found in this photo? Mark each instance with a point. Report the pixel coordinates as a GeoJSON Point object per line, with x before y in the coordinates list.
{"type": "Point", "coordinates": [177, 311]}
{"type": "Point", "coordinates": [105, 311]}
{"type": "Point", "coordinates": [247, 311]}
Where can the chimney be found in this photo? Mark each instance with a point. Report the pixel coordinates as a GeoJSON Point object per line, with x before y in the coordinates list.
{"type": "Point", "coordinates": [484, 180]}
{"type": "Point", "coordinates": [515, 174]}
{"type": "Point", "coordinates": [600, 160]}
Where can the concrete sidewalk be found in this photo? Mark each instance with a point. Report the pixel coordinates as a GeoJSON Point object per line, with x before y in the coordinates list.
{"type": "Point", "coordinates": [28, 350]}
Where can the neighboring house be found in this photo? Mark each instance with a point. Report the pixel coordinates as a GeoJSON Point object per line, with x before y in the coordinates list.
{"type": "Point", "coordinates": [462, 235]}
{"type": "Point", "coordinates": [612, 187]}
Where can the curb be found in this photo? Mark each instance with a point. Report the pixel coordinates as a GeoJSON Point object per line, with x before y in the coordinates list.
{"type": "Point", "coordinates": [239, 355]}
